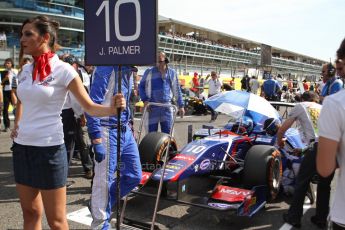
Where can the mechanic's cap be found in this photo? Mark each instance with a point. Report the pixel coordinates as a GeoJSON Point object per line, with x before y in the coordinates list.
{"type": "Point", "coordinates": [70, 59]}
{"type": "Point", "coordinates": [271, 126]}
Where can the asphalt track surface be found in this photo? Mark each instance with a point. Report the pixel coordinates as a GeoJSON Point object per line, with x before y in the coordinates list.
{"type": "Point", "coordinates": [170, 215]}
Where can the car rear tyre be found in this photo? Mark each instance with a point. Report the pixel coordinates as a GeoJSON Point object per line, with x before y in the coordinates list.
{"type": "Point", "coordinates": [263, 166]}
{"type": "Point", "coordinates": [152, 149]}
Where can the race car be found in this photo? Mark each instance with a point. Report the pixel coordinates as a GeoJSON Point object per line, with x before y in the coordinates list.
{"type": "Point", "coordinates": [235, 168]}
{"type": "Point", "coordinates": [225, 171]}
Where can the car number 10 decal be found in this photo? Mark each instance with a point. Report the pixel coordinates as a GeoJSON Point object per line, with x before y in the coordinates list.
{"type": "Point", "coordinates": [196, 149]}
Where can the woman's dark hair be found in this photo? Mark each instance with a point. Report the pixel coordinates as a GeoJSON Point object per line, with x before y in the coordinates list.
{"type": "Point", "coordinates": [44, 25]}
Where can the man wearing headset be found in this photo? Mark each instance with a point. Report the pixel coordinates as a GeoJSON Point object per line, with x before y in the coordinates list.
{"type": "Point", "coordinates": [160, 84]}
{"type": "Point", "coordinates": [332, 84]}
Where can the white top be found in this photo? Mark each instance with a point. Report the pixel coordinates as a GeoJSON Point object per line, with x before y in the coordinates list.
{"type": "Point", "coordinates": [307, 114]}
{"type": "Point", "coordinates": [214, 86]}
{"type": "Point", "coordinates": [332, 126]}
{"type": "Point", "coordinates": [40, 124]}
{"type": "Point", "coordinates": [254, 84]}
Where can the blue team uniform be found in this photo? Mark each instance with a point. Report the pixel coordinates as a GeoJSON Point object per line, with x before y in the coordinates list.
{"type": "Point", "coordinates": [270, 88]}
{"type": "Point", "coordinates": [103, 197]}
{"type": "Point", "coordinates": [332, 86]}
{"type": "Point", "coordinates": [154, 87]}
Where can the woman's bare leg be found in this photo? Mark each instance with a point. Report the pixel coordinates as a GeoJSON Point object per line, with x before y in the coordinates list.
{"type": "Point", "coordinates": [32, 207]}
{"type": "Point", "coordinates": [54, 202]}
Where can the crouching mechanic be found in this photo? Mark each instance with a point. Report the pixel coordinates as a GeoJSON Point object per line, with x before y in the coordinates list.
{"type": "Point", "coordinates": [306, 114]}
{"type": "Point", "coordinates": [103, 133]}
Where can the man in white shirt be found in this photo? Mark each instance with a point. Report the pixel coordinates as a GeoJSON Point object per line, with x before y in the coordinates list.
{"type": "Point", "coordinates": [306, 114]}
{"type": "Point", "coordinates": [254, 85]}
{"type": "Point", "coordinates": [214, 87]}
{"type": "Point", "coordinates": [331, 150]}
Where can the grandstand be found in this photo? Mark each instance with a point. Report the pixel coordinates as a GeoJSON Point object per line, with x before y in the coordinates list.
{"type": "Point", "coordinates": [69, 13]}
{"type": "Point", "coordinates": [190, 48]}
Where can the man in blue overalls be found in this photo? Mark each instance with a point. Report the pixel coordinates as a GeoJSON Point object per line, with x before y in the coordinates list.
{"type": "Point", "coordinates": [160, 84]}
{"type": "Point", "coordinates": [103, 134]}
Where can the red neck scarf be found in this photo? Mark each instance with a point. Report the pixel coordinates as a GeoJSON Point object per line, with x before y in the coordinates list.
{"type": "Point", "coordinates": [42, 66]}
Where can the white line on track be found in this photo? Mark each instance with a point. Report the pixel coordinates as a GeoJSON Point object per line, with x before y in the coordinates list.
{"type": "Point", "coordinates": [178, 118]}
{"type": "Point", "coordinates": [82, 216]}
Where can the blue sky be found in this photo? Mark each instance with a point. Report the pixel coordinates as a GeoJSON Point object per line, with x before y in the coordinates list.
{"type": "Point", "coordinates": [311, 27]}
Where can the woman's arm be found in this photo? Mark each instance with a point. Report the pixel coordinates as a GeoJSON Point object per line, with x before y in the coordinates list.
{"type": "Point", "coordinates": [93, 109]}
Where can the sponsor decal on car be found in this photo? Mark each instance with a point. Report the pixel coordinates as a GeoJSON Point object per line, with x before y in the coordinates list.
{"type": "Point", "coordinates": [205, 164]}
{"type": "Point", "coordinates": [169, 166]}
{"type": "Point", "coordinates": [230, 194]}
{"type": "Point", "coordinates": [223, 206]}
{"type": "Point", "coordinates": [184, 157]}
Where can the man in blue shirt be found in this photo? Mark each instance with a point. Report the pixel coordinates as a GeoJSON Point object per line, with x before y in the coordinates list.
{"type": "Point", "coordinates": [333, 84]}
{"type": "Point", "coordinates": [160, 84]}
{"type": "Point", "coordinates": [270, 89]}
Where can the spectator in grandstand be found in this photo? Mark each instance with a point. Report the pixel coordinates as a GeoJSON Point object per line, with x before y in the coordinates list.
{"type": "Point", "coordinates": [332, 84]}
{"type": "Point", "coordinates": [270, 89]}
{"type": "Point", "coordinates": [214, 87]}
{"type": "Point", "coordinates": [306, 114]}
{"type": "Point", "coordinates": [6, 82]}
{"type": "Point", "coordinates": [160, 84]}
{"type": "Point", "coordinates": [254, 85]}
{"type": "Point", "coordinates": [103, 133]}
{"type": "Point", "coordinates": [77, 126]}
{"type": "Point", "coordinates": [39, 154]}
{"type": "Point", "coordinates": [331, 147]}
